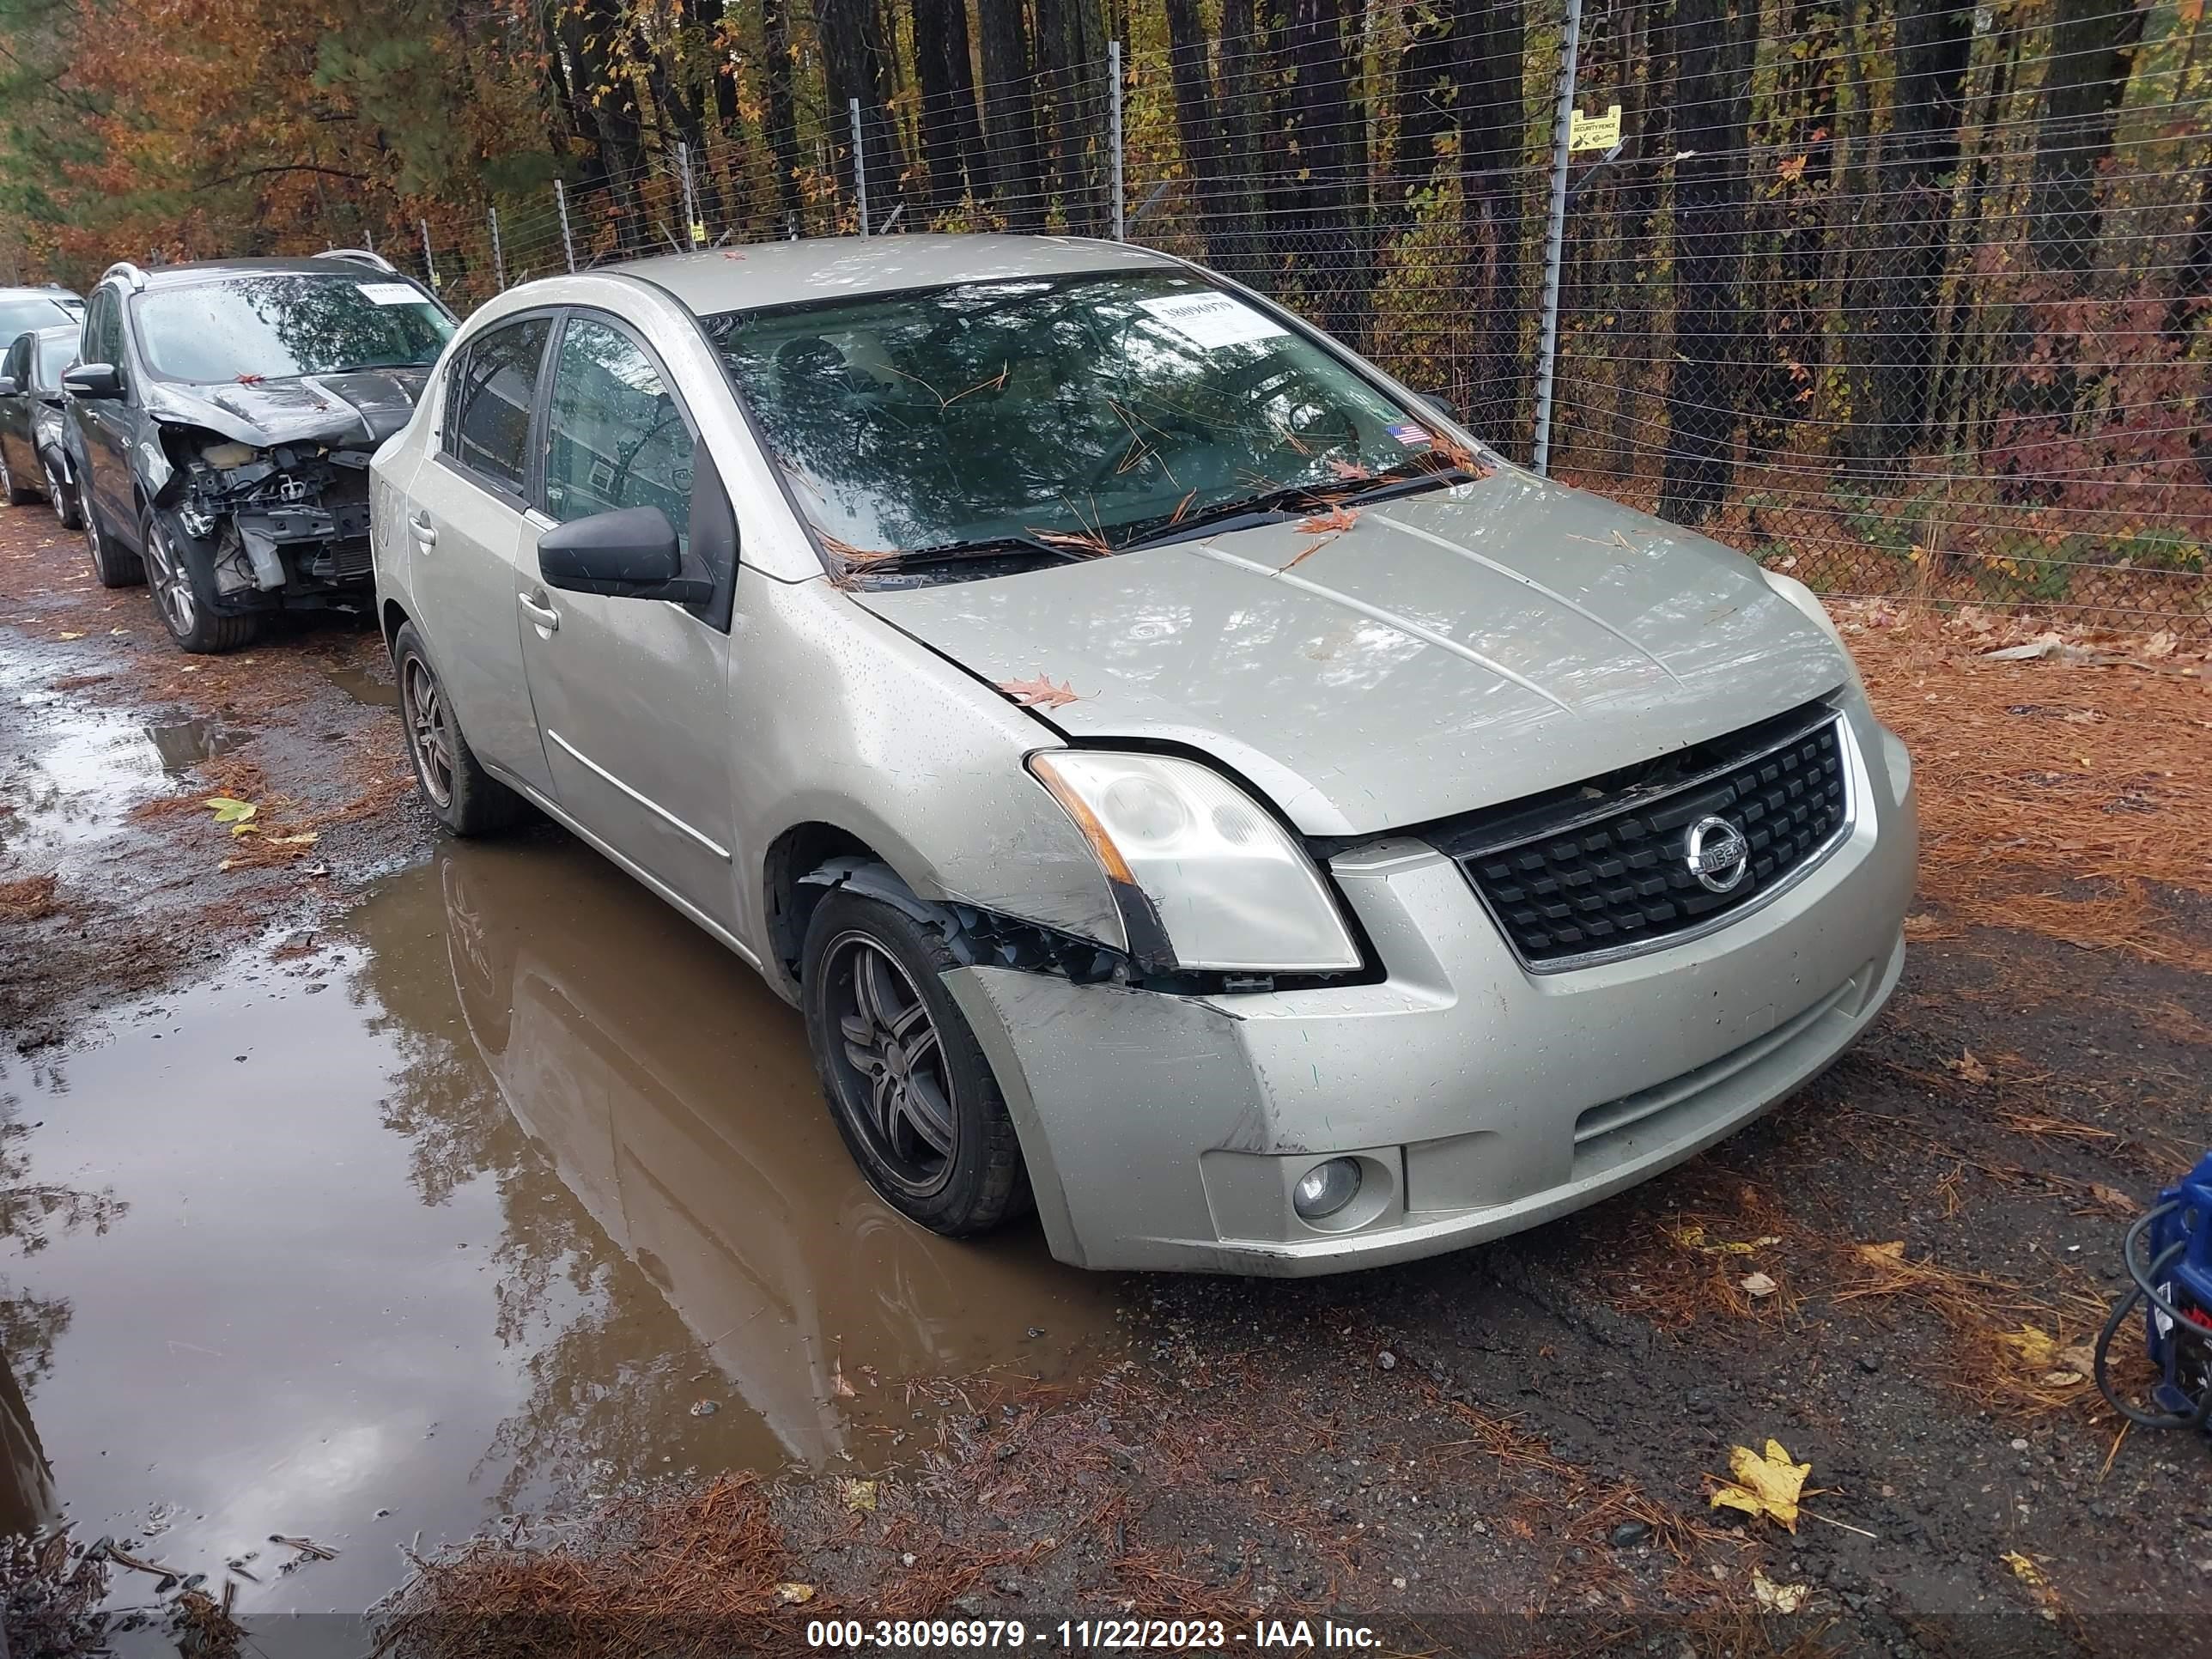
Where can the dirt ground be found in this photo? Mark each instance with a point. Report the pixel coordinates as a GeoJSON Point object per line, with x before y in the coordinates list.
{"type": "Point", "coordinates": [1510, 1450]}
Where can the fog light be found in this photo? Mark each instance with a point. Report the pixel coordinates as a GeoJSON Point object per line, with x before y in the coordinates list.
{"type": "Point", "coordinates": [1325, 1189]}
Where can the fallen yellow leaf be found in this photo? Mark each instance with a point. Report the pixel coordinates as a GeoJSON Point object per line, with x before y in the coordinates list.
{"type": "Point", "coordinates": [71, 636]}
{"type": "Point", "coordinates": [2037, 1349]}
{"type": "Point", "coordinates": [1780, 1598]}
{"type": "Point", "coordinates": [792, 1594]}
{"type": "Point", "coordinates": [859, 1495]}
{"type": "Point", "coordinates": [1766, 1485]}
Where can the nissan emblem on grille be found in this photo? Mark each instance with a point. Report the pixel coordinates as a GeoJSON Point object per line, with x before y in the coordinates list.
{"type": "Point", "coordinates": [1719, 856]}
{"type": "Point", "coordinates": [1630, 859]}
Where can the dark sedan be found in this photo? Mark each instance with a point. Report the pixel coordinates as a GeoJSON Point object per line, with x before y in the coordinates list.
{"type": "Point", "coordinates": [32, 461]}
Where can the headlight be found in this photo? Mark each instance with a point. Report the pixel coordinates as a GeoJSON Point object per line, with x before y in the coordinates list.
{"type": "Point", "coordinates": [1205, 878]}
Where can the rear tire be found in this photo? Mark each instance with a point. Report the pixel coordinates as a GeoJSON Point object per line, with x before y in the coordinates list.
{"type": "Point", "coordinates": [465, 799]}
{"type": "Point", "coordinates": [184, 594]}
{"type": "Point", "coordinates": [13, 487]}
{"type": "Point", "coordinates": [908, 1086]}
{"type": "Point", "coordinates": [115, 566]}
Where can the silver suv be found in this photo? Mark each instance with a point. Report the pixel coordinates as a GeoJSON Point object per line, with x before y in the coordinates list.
{"type": "Point", "coordinates": [1189, 785]}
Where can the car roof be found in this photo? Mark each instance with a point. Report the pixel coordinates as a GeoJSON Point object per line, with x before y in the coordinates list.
{"type": "Point", "coordinates": [843, 267]}
{"type": "Point", "coordinates": [57, 294]}
{"type": "Point", "coordinates": [201, 270]}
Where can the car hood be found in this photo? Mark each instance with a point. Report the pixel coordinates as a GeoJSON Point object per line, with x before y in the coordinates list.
{"type": "Point", "coordinates": [358, 409]}
{"type": "Point", "coordinates": [1449, 651]}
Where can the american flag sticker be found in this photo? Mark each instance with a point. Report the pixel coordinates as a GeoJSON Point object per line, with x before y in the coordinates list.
{"type": "Point", "coordinates": [1413, 434]}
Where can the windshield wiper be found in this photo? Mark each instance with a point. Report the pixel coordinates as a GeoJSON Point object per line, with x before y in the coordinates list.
{"type": "Point", "coordinates": [1299, 499]}
{"type": "Point", "coordinates": [1271, 508]}
{"type": "Point", "coordinates": [1014, 546]}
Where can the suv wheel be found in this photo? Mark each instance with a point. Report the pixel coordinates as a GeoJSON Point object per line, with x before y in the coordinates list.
{"type": "Point", "coordinates": [467, 799]}
{"type": "Point", "coordinates": [16, 493]}
{"type": "Point", "coordinates": [116, 567]}
{"type": "Point", "coordinates": [60, 496]}
{"type": "Point", "coordinates": [908, 1086]}
{"type": "Point", "coordinates": [184, 594]}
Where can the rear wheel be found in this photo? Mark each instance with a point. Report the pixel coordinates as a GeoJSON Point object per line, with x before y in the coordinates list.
{"type": "Point", "coordinates": [908, 1086]}
{"type": "Point", "coordinates": [467, 799]}
{"type": "Point", "coordinates": [116, 567]}
{"type": "Point", "coordinates": [15, 488]}
{"type": "Point", "coordinates": [184, 594]}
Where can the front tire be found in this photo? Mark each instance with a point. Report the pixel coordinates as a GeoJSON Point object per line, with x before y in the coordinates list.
{"type": "Point", "coordinates": [184, 594]}
{"type": "Point", "coordinates": [64, 498]}
{"type": "Point", "coordinates": [466, 799]}
{"type": "Point", "coordinates": [908, 1086]}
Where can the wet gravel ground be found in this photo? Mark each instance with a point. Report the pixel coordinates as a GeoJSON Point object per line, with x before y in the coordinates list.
{"type": "Point", "coordinates": [1511, 1449]}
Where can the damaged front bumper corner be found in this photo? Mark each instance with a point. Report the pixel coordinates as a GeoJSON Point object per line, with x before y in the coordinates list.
{"type": "Point", "coordinates": [1170, 1132]}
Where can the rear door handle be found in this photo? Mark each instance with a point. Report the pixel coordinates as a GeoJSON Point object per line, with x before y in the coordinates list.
{"type": "Point", "coordinates": [543, 614]}
{"type": "Point", "coordinates": [422, 530]}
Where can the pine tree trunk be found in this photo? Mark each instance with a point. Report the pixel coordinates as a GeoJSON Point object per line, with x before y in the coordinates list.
{"type": "Point", "coordinates": [782, 112]}
{"type": "Point", "coordinates": [1895, 328]}
{"type": "Point", "coordinates": [1192, 77]}
{"type": "Point", "coordinates": [1710, 59]}
{"type": "Point", "coordinates": [2092, 47]}
{"type": "Point", "coordinates": [1009, 113]}
{"type": "Point", "coordinates": [947, 119]}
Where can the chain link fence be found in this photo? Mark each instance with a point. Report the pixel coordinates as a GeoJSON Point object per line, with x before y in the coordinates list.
{"type": "Point", "coordinates": [1925, 313]}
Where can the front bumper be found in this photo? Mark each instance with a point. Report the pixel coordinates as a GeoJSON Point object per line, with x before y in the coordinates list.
{"type": "Point", "coordinates": [1480, 1099]}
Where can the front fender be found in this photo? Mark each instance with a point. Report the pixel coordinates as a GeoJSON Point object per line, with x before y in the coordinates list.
{"type": "Point", "coordinates": [905, 753]}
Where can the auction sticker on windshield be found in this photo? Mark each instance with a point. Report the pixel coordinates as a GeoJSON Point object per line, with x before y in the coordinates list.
{"type": "Point", "coordinates": [391, 294]}
{"type": "Point", "coordinates": [1212, 320]}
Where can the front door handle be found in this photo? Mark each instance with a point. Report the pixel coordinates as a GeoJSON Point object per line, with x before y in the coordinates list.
{"type": "Point", "coordinates": [422, 530]}
{"type": "Point", "coordinates": [540, 613]}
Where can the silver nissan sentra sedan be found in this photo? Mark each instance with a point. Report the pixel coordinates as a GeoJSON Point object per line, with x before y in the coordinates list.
{"type": "Point", "coordinates": [1188, 783]}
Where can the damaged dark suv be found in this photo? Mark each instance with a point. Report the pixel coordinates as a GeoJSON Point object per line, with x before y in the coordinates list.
{"type": "Point", "coordinates": [221, 419]}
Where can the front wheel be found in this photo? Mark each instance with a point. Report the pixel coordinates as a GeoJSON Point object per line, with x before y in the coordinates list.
{"type": "Point", "coordinates": [467, 799]}
{"type": "Point", "coordinates": [184, 594]}
{"type": "Point", "coordinates": [63, 499]}
{"type": "Point", "coordinates": [908, 1086]}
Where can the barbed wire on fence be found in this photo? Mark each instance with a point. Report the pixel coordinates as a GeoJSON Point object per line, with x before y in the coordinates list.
{"type": "Point", "coordinates": [1963, 352]}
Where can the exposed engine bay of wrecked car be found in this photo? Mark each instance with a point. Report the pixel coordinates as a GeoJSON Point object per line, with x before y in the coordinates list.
{"type": "Point", "coordinates": [291, 518]}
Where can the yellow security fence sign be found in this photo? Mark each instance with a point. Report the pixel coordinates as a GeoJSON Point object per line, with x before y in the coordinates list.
{"type": "Point", "coordinates": [1595, 131]}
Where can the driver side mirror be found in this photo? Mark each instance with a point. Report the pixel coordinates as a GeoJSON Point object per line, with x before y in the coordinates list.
{"type": "Point", "coordinates": [1444, 406]}
{"type": "Point", "coordinates": [95, 382]}
{"type": "Point", "coordinates": [630, 553]}
{"type": "Point", "coordinates": [7, 386]}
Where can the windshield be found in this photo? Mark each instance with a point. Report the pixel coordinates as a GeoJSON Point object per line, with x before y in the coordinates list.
{"type": "Point", "coordinates": [19, 315]}
{"type": "Point", "coordinates": [56, 352]}
{"type": "Point", "coordinates": [1094, 406]}
{"type": "Point", "coordinates": [286, 324]}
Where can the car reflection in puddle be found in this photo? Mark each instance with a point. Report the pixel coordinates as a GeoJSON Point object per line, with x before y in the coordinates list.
{"type": "Point", "coordinates": [674, 1094]}
{"type": "Point", "coordinates": [515, 1192]}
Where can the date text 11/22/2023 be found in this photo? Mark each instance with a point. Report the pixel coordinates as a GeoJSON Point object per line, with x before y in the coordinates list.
{"type": "Point", "coordinates": [1087, 1635]}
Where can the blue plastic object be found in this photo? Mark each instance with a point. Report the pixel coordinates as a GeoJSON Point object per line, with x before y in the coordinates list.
{"type": "Point", "coordinates": [2181, 1229]}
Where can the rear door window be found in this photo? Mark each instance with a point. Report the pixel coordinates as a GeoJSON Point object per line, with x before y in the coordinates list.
{"type": "Point", "coordinates": [494, 392]}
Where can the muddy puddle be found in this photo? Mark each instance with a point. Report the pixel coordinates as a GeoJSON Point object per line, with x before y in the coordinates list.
{"type": "Point", "coordinates": [512, 1191]}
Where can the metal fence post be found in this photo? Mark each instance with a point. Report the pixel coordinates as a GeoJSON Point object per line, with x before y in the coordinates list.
{"type": "Point", "coordinates": [694, 232]}
{"type": "Point", "coordinates": [1555, 242]}
{"type": "Point", "coordinates": [1113, 129]}
{"type": "Point", "coordinates": [430, 264]}
{"type": "Point", "coordinates": [859, 165]}
{"type": "Point", "coordinates": [498, 258]}
{"type": "Point", "coordinates": [567, 245]}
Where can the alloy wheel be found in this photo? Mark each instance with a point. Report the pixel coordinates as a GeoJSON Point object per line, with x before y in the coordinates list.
{"type": "Point", "coordinates": [172, 582]}
{"type": "Point", "coordinates": [423, 703]}
{"type": "Point", "coordinates": [7, 478]}
{"type": "Point", "coordinates": [54, 496]}
{"type": "Point", "coordinates": [891, 1081]}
